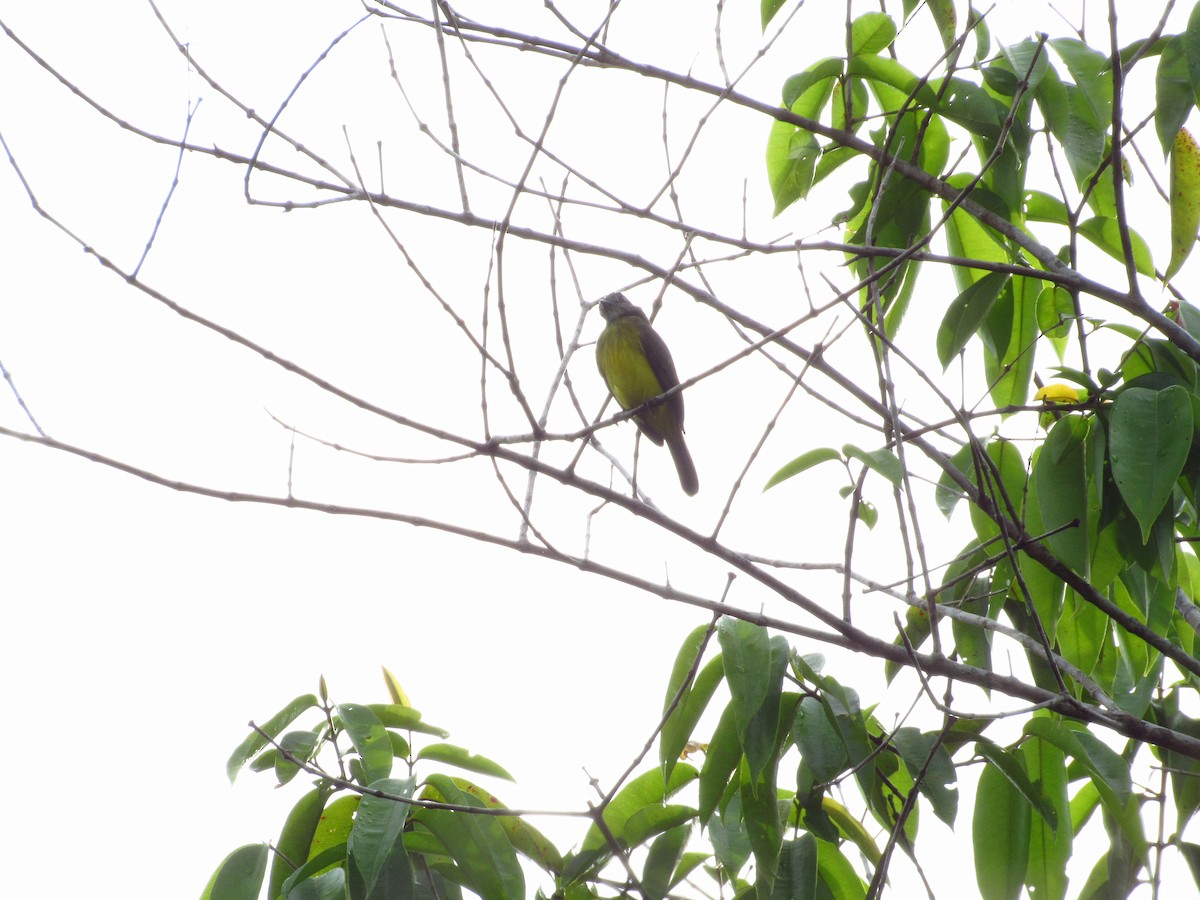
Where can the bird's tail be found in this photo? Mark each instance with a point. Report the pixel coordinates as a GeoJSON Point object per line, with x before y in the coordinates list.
{"type": "Point", "coordinates": [688, 478]}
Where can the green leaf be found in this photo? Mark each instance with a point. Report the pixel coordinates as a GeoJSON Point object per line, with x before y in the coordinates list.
{"type": "Point", "coordinates": [1109, 775]}
{"type": "Point", "coordinates": [654, 820]}
{"type": "Point", "coordinates": [463, 759]}
{"type": "Point", "coordinates": [915, 632]}
{"type": "Point", "coordinates": [321, 863]}
{"type": "Point", "coordinates": [1081, 632]}
{"type": "Point", "coordinates": [526, 839]}
{"type": "Point", "coordinates": [973, 642]}
{"type": "Point", "coordinates": [1191, 47]}
{"type": "Point", "coordinates": [918, 751]}
{"type": "Point", "coordinates": [727, 829]}
{"type": "Point", "coordinates": [883, 70]}
{"type": "Point", "coordinates": [376, 837]}
{"type": "Point", "coordinates": [1060, 475]}
{"type": "Point", "coordinates": [274, 726]}
{"type": "Point", "coordinates": [948, 493]}
{"type": "Point", "coordinates": [1042, 207]}
{"type": "Point", "coordinates": [333, 830]}
{"type": "Point", "coordinates": [299, 744]}
{"type": "Point", "coordinates": [837, 874]}
{"type": "Point", "coordinates": [1000, 833]}
{"type": "Point", "coordinates": [764, 824]}
{"type": "Point", "coordinates": [239, 876]}
{"type": "Point", "coordinates": [478, 844]}
{"type": "Point", "coordinates": [819, 740]}
{"type": "Point", "coordinates": [724, 753]}
{"type": "Point", "coordinates": [1149, 440]}
{"type": "Point", "coordinates": [1185, 198]}
{"type": "Point", "coordinates": [871, 33]}
{"type": "Point", "coordinates": [1007, 493]}
{"type": "Point", "coordinates": [966, 313]}
{"type": "Point", "coordinates": [1055, 314]}
{"type": "Point", "coordinates": [1049, 848]}
{"type": "Point", "coordinates": [768, 10]}
{"type": "Point", "coordinates": [369, 738]}
{"type": "Point", "coordinates": [792, 152]}
{"type": "Point", "coordinates": [398, 715]}
{"type": "Point", "coordinates": [883, 461]}
{"type": "Point", "coordinates": [1173, 97]}
{"type": "Point", "coordinates": [966, 236]}
{"type": "Point", "coordinates": [1105, 233]}
{"type": "Point", "coordinates": [1012, 767]}
{"type": "Point", "coordinates": [646, 792]}
{"type": "Point", "coordinates": [746, 650]}
{"type": "Point", "coordinates": [801, 463]}
{"type": "Point", "coordinates": [1009, 336]}
{"type": "Point", "coordinates": [295, 840]}
{"type": "Point", "coordinates": [678, 727]}
{"type": "Point", "coordinates": [661, 860]}
{"type": "Point", "coordinates": [1028, 60]}
{"type": "Point", "coordinates": [1089, 106]}
{"type": "Point", "coordinates": [797, 875]}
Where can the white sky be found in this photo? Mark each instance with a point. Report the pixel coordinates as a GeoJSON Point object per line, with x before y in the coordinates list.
{"type": "Point", "coordinates": [144, 627]}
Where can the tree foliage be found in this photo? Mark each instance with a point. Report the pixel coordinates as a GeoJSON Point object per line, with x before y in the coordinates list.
{"type": "Point", "coordinates": [1051, 411]}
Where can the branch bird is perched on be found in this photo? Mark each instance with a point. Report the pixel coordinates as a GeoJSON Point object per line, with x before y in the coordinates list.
{"type": "Point", "coordinates": [637, 367]}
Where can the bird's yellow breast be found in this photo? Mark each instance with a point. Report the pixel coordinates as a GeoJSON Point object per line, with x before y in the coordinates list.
{"type": "Point", "coordinates": [624, 365]}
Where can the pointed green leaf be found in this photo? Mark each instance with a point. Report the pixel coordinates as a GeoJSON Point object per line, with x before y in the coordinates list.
{"type": "Point", "coordinates": [883, 461]}
{"type": "Point", "coordinates": [1149, 440]}
{"type": "Point", "coordinates": [480, 847]}
{"type": "Point", "coordinates": [819, 741]}
{"type": "Point", "coordinates": [645, 791]}
{"type": "Point", "coordinates": [918, 751]}
{"type": "Point", "coordinates": [724, 753]}
{"type": "Point", "coordinates": [1049, 848]}
{"type": "Point", "coordinates": [1105, 233]}
{"type": "Point", "coordinates": [1000, 833]}
{"type": "Point", "coordinates": [746, 651]}
{"type": "Point", "coordinates": [1012, 767]}
{"type": "Point", "coordinates": [240, 875]}
{"type": "Point", "coordinates": [768, 10]}
{"type": "Point", "coordinates": [678, 727]}
{"type": "Point", "coordinates": [966, 313]}
{"type": "Point", "coordinates": [871, 33]}
{"type": "Point", "coordinates": [664, 855]}
{"type": "Point", "coordinates": [797, 876]}
{"type": "Point", "coordinates": [792, 152]}
{"type": "Point", "coordinates": [295, 840]}
{"type": "Point", "coordinates": [1173, 97]}
{"type": "Point", "coordinates": [1191, 46]}
{"type": "Point", "coordinates": [1009, 338]}
{"type": "Point", "coordinates": [376, 836]}
{"type": "Point", "coordinates": [369, 738]}
{"type": "Point", "coordinates": [1060, 475]}
{"type": "Point", "coordinates": [837, 873]}
{"type": "Point", "coordinates": [398, 715]}
{"type": "Point", "coordinates": [463, 759]}
{"type": "Point", "coordinates": [801, 463]}
{"type": "Point", "coordinates": [273, 727]}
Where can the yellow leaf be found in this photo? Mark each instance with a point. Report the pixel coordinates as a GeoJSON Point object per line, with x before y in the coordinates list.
{"type": "Point", "coordinates": [394, 690]}
{"type": "Point", "coordinates": [1060, 393]}
{"type": "Point", "coordinates": [1185, 198]}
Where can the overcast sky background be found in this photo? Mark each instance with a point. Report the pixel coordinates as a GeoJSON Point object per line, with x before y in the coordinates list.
{"type": "Point", "coordinates": [144, 627]}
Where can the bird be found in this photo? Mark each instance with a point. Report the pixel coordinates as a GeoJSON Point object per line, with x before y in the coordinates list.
{"type": "Point", "coordinates": [637, 367]}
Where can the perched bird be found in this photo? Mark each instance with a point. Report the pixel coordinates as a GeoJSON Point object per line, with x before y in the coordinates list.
{"type": "Point", "coordinates": [637, 367]}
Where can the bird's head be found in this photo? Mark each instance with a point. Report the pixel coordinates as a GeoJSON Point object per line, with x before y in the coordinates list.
{"type": "Point", "coordinates": [614, 306]}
